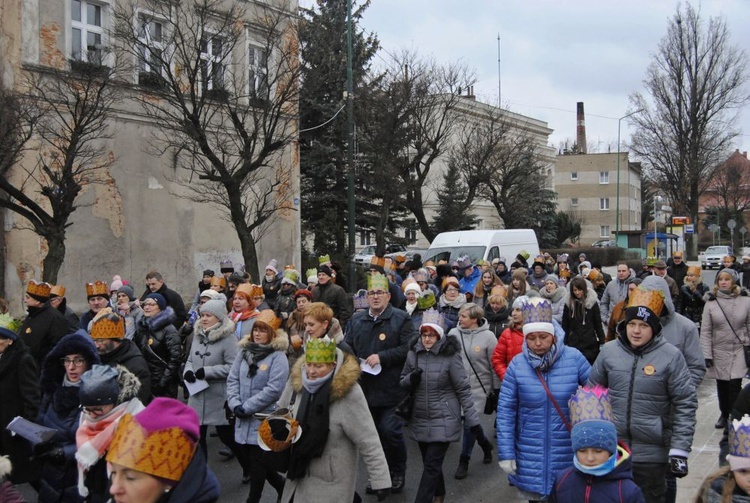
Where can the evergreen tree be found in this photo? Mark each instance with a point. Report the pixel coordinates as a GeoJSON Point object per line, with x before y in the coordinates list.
{"type": "Point", "coordinates": [452, 212]}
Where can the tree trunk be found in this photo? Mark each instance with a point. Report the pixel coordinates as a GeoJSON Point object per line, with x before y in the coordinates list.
{"type": "Point", "coordinates": [54, 259]}
{"type": "Point", "coordinates": [414, 202]}
{"type": "Point", "coordinates": [249, 254]}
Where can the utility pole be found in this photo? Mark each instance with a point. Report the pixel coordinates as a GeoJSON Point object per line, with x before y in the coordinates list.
{"type": "Point", "coordinates": [350, 143]}
{"type": "Point", "coordinates": [499, 78]}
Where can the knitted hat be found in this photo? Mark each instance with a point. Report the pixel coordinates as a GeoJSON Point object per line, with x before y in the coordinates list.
{"type": "Point", "coordinates": [739, 443]}
{"type": "Point", "coordinates": [38, 290]}
{"type": "Point", "coordinates": [321, 350]}
{"type": "Point", "coordinates": [464, 262]}
{"type": "Point", "coordinates": [553, 278]}
{"type": "Point", "coordinates": [731, 272]}
{"type": "Point", "coordinates": [582, 255]}
{"type": "Point", "coordinates": [108, 326]}
{"type": "Point", "coordinates": [435, 320]}
{"type": "Point", "coordinates": [160, 441]}
{"type": "Point", "coordinates": [127, 290]}
{"type": "Point", "coordinates": [96, 289]}
{"type": "Point", "coordinates": [216, 307]}
{"type": "Point", "coordinates": [226, 266]}
{"type": "Point", "coordinates": [413, 287]}
{"type": "Point", "coordinates": [116, 284]}
{"type": "Point", "coordinates": [159, 299]}
{"type": "Point", "coordinates": [645, 305]}
{"type": "Point", "coordinates": [325, 270]}
{"type": "Point", "coordinates": [210, 294]}
{"type": "Point", "coordinates": [9, 327]}
{"type": "Point", "coordinates": [519, 274]}
{"type": "Point", "coordinates": [303, 292]}
{"type": "Point", "coordinates": [520, 301]}
{"type": "Point", "coordinates": [591, 416]}
{"type": "Point", "coordinates": [537, 316]}
{"type": "Point", "coordinates": [273, 265]}
{"type": "Point", "coordinates": [56, 291]}
{"type": "Point", "coordinates": [99, 386]}
{"type": "Point", "coordinates": [208, 272]}
{"type": "Point", "coordinates": [291, 277]}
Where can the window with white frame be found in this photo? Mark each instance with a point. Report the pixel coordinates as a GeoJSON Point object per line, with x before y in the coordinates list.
{"type": "Point", "coordinates": [87, 31]}
{"type": "Point", "coordinates": [574, 201]}
{"type": "Point", "coordinates": [364, 238]}
{"type": "Point", "coordinates": [212, 63]}
{"type": "Point", "coordinates": [603, 203]}
{"type": "Point", "coordinates": [604, 177]}
{"type": "Point", "coordinates": [150, 46]}
{"type": "Point", "coordinates": [574, 175]}
{"type": "Point", "coordinates": [257, 63]}
{"type": "Point", "coordinates": [604, 231]}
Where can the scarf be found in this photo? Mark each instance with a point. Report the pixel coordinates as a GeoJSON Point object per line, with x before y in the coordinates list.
{"type": "Point", "coordinates": [254, 353]}
{"type": "Point", "coordinates": [579, 309]}
{"type": "Point", "coordinates": [314, 385]}
{"type": "Point", "coordinates": [410, 307]}
{"type": "Point", "coordinates": [544, 362]}
{"type": "Point", "coordinates": [599, 470]}
{"type": "Point", "coordinates": [94, 436]}
{"type": "Point", "coordinates": [314, 418]}
{"type": "Point", "coordinates": [67, 383]}
{"type": "Point", "coordinates": [243, 315]}
{"type": "Point", "coordinates": [455, 303]}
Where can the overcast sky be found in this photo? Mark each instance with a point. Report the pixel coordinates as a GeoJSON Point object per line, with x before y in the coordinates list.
{"type": "Point", "coordinates": [553, 53]}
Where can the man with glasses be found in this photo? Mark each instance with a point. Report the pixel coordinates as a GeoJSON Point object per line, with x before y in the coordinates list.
{"type": "Point", "coordinates": [44, 326]}
{"type": "Point", "coordinates": [97, 294]}
{"type": "Point", "coordinates": [381, 336]}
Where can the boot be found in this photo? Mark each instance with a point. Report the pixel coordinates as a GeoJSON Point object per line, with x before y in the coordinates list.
{"type": "Point", "coordinates": [463, 468]}
{"type": "Point", "coordinates": [487, 450]}
{"type": "Point", "coordinates": [721, 423]}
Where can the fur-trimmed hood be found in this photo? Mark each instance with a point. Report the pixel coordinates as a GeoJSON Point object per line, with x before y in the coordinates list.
{"type": "Point", "coordinates": [714, 293]}
{"type": "Point", "coordinates": [5, 467]}
{"type": "Point", "coordinates": [161, 320]}
{"type": "Point", "coordinates": [76, 343]}
{"type": "Point", "coordinates": [591, 297]}
{"type": "Point", "coordinates": [555, 296]}
{"type": "Point", "coordinates": [224, 330]}
{"type": "Point", "coordinates": [129, 385]}
{"type": "Point", "coordinates": [345, 376]}
{"type": "Point", "coordinates": [279, 343]}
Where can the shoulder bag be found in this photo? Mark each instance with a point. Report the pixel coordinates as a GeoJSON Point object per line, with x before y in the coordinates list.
{"type": "Point", "coordinates": [554, 402]}
{"type": "Point", "coordinates": [405, 408]}
{"type": "Point", "coordinates": [490, 403]}
{"type": "Point", "coordinates": [745, 348]}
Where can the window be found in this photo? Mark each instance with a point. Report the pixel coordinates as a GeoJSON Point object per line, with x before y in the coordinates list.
{"type": "Point", "coordinates": [364, 238]}
{"type": "Point", "coordinates": [87, 32]}
{"type": "Point", "coordinates": [257, 62]}
{"type": "Point", "coordinates": [212, 64]}
{"type": "Point", "coordinates": [574, 201]}
{"type": "Point", "coordinates": [150, 49]}
{"type": "Point", "coordinates": [604, 177]}
{"type": "Point", "coordinates": [574, 175]}
{"type": "Point", "coordinates": [604, 231]}
{"type": "Point", "coordinates": [410, 235]}
{"type": "Point", "coordinates": [603, 203]}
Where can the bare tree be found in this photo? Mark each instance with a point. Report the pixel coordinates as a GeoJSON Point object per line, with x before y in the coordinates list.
{"type": "Point", "coordinates": [730, 186]}
{"type": "Point", "coordinates": [220, 82]}
{"type": "Point", "coordinates": [696, 84]}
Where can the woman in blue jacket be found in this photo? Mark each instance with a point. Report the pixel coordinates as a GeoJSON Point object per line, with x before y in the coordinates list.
{"type": "Point", "coordinates": [533, 440]}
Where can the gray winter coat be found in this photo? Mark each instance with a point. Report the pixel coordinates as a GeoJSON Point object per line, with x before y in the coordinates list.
{"type": "Point", "coordinates": [479, 344]}
{"type": "Point", "coordinates": [558, 298]}
{"type": "Point", "coordinates": [644, 387]}
{"type": "Point", "coordinates": [718, 341]}
{"type": "Point", "coordinates": [213, 351]}
{"type": "Point", "coordinates": [442, 393]}
{"type": "Point", "coordinates": [615, 292]}
{"type": "Point", "coordinates": [679, 331]}
{"type": "Point", "coordinates": [257, 393]}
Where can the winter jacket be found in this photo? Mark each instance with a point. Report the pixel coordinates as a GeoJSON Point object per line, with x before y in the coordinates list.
{"type": "Point", "coordinates": [256, 393]}
{"type": "Point", "coordinates": [197, 485]}
{"type": "Point", "coordinates": [718, 340]}
{"type": "Point", "coordinates": [745, 270]}
{"type": "Point", "coordinates": [614, 292]}
{"type": "Point", "coordinates": [536, 281]}
{"type": "Point", "coordinates": [692, 301]}
{"type": "Point", "coordinates": [41, 330]}
{"type": "Point", "coordinates": [129, 356]}
{"type": "Point", "coordinates": [467, 283]}
{"type": "Point", "coordinates": [674, 292]}
{"type": "Point", "coordinates": [574, 486]}
{"type": "Point", "coordinates": [214, 352]}
{"type": "Point", "coordinates": [529, 428]}
{"type": "Point", "coordinates": [508, 346]}
{"type": "Point", "coordinates": [70, 317]}
{"type": "Point", "coordinates": [449, 309]}
{"type": "Point", "coordinates": [173, 300]}
{"type": "Point", "coordinates": [243, 328]}
{"type": "Point", "coordinates": [161, 346]}
{"type": "Point", "coordinates": [477, 346]}
{"type": "Point", "coordinates": [653, 398]}
{"type": "Point", "coordinates": [389, 336]}
{"type": "Point", "coordinates": [497, 320]}
{"type": "Point", "coordinates": [678, 273]}
{"type": "Point", "coordinates": [679, 331]}
{"type": "Point", "coordinates": [285, 303]}
{"type": "Point", "coordinates": [132, 320]}
{"type": "Point", "coordinates": [558, 299]}
{"type": "Point", "coordinates": [714, 492]}
{"type": "Point", "coordinates": [332, 476]}
{"type": "Point", "coordinates": [334, 297]}
{"type": "Point", "coordinates": [19, 389]}
{"type": "Point", "coordinates": [271, 290]}
{"type": "Point", "coordinates": [443, 395]}
{"type": "Point", "coordinates": [585, 334]}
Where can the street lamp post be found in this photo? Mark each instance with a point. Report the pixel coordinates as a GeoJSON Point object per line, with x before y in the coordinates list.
{"type": "Point", "coordinates": [617, 211]}
{"type": "Point", "coordinates": [656, 238]}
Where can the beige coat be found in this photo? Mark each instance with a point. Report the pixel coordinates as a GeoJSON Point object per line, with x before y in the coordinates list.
{"type": "Point", "coordinates": [718, 342]}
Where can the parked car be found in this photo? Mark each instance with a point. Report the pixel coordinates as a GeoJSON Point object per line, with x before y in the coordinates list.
{"type": "Point", "coordinates": [365, 254]}
{"type": "Point", "coordinates": [604, 243]}
{"type": "Point", "coordinates": [713, 256]}
{"type": "Point", "coordinates": [409, 253]}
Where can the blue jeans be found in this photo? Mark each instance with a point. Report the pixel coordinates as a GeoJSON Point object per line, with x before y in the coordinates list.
{"type": "Point", "coordinates": [467, 444]}
{"type": "Point", "coordinates": [391, 432]}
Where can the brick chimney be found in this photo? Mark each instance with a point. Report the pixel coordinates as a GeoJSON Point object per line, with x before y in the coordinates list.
{"type": "Point", "coordinates": [581, 129]}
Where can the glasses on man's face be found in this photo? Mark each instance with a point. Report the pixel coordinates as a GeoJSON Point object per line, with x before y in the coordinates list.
{"type": "Point", "coordinates": [94, 411]}
{"type": "Point", "coordinates": [76, 362]}
{"type": "Point", "coordinates": [376, 294]}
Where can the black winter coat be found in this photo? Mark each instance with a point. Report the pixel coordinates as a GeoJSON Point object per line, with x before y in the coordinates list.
{"type": "Point", "coordinates": [19, 389]}
{"type": "Point", "coordinates": [69, 315]}
{"type": "Point", "coordinates": [678, 273]}
{"type": "Point", "coordinates": [129, 356]}
{"type": "Point", "coordinates": [334, 297]}
{"type": "Point", "coordinates": [585, 334]}
{"type": "Point", "coordinates": [498, 320]}
{"type": "Point", "coordinates": [271, 290]}
{"type": "Point", "coordinates": [174, 301]}
{"type": "Point", "coordinates": [693, 302]}
{"type": "Point", "coordinates": [41, 330]}
{"type": "Point", "coordinates": [161, 346]}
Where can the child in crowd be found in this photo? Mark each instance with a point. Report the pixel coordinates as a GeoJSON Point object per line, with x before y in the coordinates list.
{"type": "Point", "coordinates": [731, 484]}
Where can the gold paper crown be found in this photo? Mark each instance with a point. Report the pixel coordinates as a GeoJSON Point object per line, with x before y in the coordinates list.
{"type": "Point", "coordinates": [499, 290]}
{"type": "Point", "coordinates": [249, 290]}
{"type": "Point", "coordinates": [164, 453]}
{"type": "Point", "coordinates": [324, 259]}
{"type": "Point", "coordinates": [108, 327]}
{"type": "Point", "coordinates": [268, 317]}
{"type": "Point", "coordinates": [377, 261]}
{"type": "Point", "coordinates": [400, 258]}
{"type": "Point", "coordinates": [590, 403]}
{"type": "Point", "coordinates": [739, 437]}
{"type": "Point", "coordinates": [40, 289]}
{"type": "Point", "coordinates": [219, 281]}
{"type": "Point", "coordinates": [57, 291]}
{"type": "Point", "coordinates": [289, 266]}
{"type": "Point", "coordinates": [321, 350]}
{"type": "Point", "coordinates": [449, 279]}
{"type": "Point", "coordinates": [377, 281]}
{"type": "Point", "coordinates": [265, 433]}
{"type": "Point", "coordinates": [97, 289]}
{"type": "Point", "coordinates": [652, 299]}
{"type": "Point", "coordinates": [537, 310]}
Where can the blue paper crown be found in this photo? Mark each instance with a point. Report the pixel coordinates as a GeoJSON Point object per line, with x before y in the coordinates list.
{"type": "Point", "coordinates": [537, 310]}
{"type": "Point", "coordinates": [590, 403]}
{"type": "Point", "coordinates": [739, 437]}
{"type": "Point", "coordinates": [360, 300]}
{"type": "Point", "coordinates": [435, 317]}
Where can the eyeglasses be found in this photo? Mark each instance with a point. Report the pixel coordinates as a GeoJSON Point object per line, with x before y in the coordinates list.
{"type": "Point", "coordinates": [451, 289]}
{"type": "Point", "coordinates": [93, 411]}
{"type": "Point", "coordinates": [76, 362]}
{"type": "Point", "coordinates": [376, 294]}
{"type": "Point", "coordinates": [454, 268]}
{"type": "Point", "coordinates": [149, 304]}
{"type": "Point", "coordinates": [428, 335]}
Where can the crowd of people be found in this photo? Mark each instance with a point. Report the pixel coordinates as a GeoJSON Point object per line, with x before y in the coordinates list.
{"type": "Point", "coordinates": [590, 381]}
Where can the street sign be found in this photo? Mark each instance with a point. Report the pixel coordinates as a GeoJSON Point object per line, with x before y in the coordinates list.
{"type": "Point", "coordinates": [731, 224]}
{"type": "Point", "coordinates": [689, 228]}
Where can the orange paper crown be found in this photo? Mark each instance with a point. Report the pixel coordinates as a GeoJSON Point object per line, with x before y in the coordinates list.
{"type": "Point", "coordinates": [57, 291]}
{"type": "Point", "coordinates": [499, 290]}
{"type": "Point", "coordinates": [97, 289]}
{"type": "Point", "coordinates": [108, 327]}
{"type": "Point", "coordinates": [164, 453]}
{"type": "Point", "coordinates": [377, 261]}
{"type": "Point", "coordinates": [268, 317]}
{"type": "Point", "coordinates": [652, 299]}
{"type": "Point", "coordinates": [39, 289]}
{"type": "Point", "coordinates": [449, 279]}
{"type": "Point", "coordinates": [219, 281]}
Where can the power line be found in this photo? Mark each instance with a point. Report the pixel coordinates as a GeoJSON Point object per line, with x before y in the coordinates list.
{"type": "Point", "coordinates": [326, 122]}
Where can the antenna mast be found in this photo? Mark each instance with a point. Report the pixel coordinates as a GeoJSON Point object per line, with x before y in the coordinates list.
{"type": "Point", "coordinates": [499, 82]}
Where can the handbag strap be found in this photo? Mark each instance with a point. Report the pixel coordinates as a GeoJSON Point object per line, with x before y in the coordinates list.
{"type": "Point", "coordinates": [728, 322]}
{"type": "Point", "coordinates": [472, 366]}
{"type": "Point", "coordinates": [554, 402]}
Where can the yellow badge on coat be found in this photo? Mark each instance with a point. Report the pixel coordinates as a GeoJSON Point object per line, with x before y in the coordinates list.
{"type": "Point", "coordinates": [477, 349]}
{"type": "Point", "coordinates": [381, 337]}
{"type": "Point", "coordinates": [28, 330]}
{"type": "Point", "coordinates": [649, 370]}
{"type": "Point", "coordinates": [263, 367]}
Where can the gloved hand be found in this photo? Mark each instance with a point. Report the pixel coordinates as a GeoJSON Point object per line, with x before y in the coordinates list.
{"type": "Point", "coordinates": [200, 373]}
{"type": "Point", "coordinates": [477, 430]}
{"type": "Point", "coordinates": [189, 376]}
{"type": "Point", "coordinates": [382, 494]}
{"type": "Point", "coordinates": [709, 363]}
{"type": "Point", "coordinates": [239, 412]}
{"type": "Point", "coordinates": [678, 466]}
{"type": "Point", "coordinates": [55, 455]}
{"type": "Point", "coordinates": [508, 466]}
{"type": "Point", "coordinates": [186, 329]}
{"type": "Point", "coordinates": [415, 377]}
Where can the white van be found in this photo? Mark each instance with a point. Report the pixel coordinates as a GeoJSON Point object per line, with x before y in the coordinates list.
{"type": "Point", "coordinates": [485, 244]}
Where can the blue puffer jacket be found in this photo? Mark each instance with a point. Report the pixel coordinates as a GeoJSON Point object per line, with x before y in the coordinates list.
{"type": "Point", "coordinates": [529, 429]}
{"type": "Point", "coordinates": [468, 283]}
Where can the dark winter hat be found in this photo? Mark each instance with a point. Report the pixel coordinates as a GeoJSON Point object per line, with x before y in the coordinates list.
{"type": "Point", "coordinates": [226, 266]}
{"type": "Point", "coordinates": [127, 290]}
{"type": "Point", "coordinates": [645, 305]}
{"type": "Point", "coordinates": [325, 270]}
{"type": "Point", "coordinates": [99, 386]}
{"type": "Point", "coordinates": [597, 434]}
{"type": "Point", "coordinates": [159, 299]}
{"type": "Point", "coordinates": [208, 272]}
{"type": "Point", "coordinates": [303, 293]}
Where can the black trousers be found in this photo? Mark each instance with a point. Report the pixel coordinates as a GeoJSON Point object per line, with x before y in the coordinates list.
{"type": "Point", "coordinates": [650, 477]}
{"type": "Point", "coordinates": [727, 392]}
{"type": "Point", "coordinates": [259, 472]}
{"type": "Point", "coordinates": [432, 483]}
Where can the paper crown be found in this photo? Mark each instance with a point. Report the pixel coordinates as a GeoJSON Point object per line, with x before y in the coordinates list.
{"type": "Point", "coordinates": [376, 261]}
{"type": "Point", "coordinates": [38, 289]}
{"type": "Point", "coordinates": [433, 317]}
{"type": "Point", "coordinates": [400, 258]}
{"type": "Point", "coordinates": [377, 282]}
{"type": "Point", "coordinates": [311, 273]}
{"type": "Point", "coordinates": [652, 299]}
{"type": "Point", "coordinates": [321, 350]}
{"type": "Point", "coordinates": [524, 254]}
{"type": "Point", "coordinates": [163, 453]}
{"type": "Point", "coordinates": [290, 276]}
{"type": "Point", "coordinates": [360, 300]}
{"type": "Point", "coordinates": [426, 300]}
{"type": "Point", "coordinates": [268, 317]}
{"type": "Point", "coordinates": [109, 326]}
{"type": "Point", "coordinates": [449, 279]}
{"type": "Point", "coordinates": [540, 258]}
{"type": "Point", "coordinates": [537, 316]}
{"type": "Point", "coordinates": [249, 290]}
{"type": "Point", "coordinates": [278, 431]}
{"type": "Point", "coordinates": [563, 257]}
{"type": "Point", "coordinates": [324, 259]}
{"type": "Point", "coordinates": [499, 290]}
{"type": "Point", "coordinates": [226, 266]}
{"type": "Point", "coordinates": [289, 266]}
{"type": "Point", "coordinates": [219, 281]}
{"type": "Point", "coordinates": [590, 403]}
{"type": "Point", "coordinates": [97, 289]}
{"type": "Point", "coordinates": [739, 437]}
{"type": "Point", "coordinates": [57, 291]}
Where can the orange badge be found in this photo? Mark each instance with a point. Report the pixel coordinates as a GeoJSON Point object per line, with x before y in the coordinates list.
{"type": "Point", "coordinates": [263, 367]}
{"type": "Point", "coordinates": [477, 349]}
{"type": "Point", "coordinates": [28, 330]}
{"type": "Point", "coordinates": [381, 337]}
{"type": "Point", "coordinates": [649, 370]}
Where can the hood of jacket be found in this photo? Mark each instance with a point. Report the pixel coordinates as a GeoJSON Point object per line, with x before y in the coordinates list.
{"type": "Point", "coordinates": [559, 343]}
{"type": "Point", "coordinates": [658, 283]}
{"type": "Point", "coordinates": [448, 345]}
{"type": "Point", "coordinates": [161, 320]}
{"type": "Point", "coordinates": [714, 293]}
{"type": "Point", "coordinates": [279, 343]}
{"type": "Point", "coordinates": [482, 325]}
{"type": "Point", "coordinates": [345, 375]}
{"type": "Point", "coordinates": [554, 297]}
{"type": "Point", "coordinates": [129, 385]}
{"type": "Point", "coordinates": [335, 332]}
{"type": "Point", "coordinates": [224, 330]}
{"type": "Point", "coordinates": [197, 485]}
{"type": "Point", "coordinates": [75, 343]}
{"type": "Point", "coordinates": [591, 297]}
